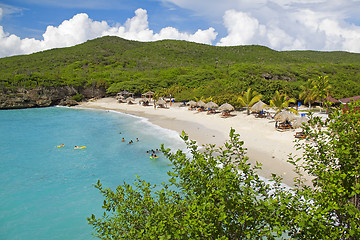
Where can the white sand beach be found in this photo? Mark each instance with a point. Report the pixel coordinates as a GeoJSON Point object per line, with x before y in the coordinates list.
{"type": "Point", "coordinates": [264, 143]}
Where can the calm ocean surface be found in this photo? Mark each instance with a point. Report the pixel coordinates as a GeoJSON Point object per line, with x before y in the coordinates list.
{"type": "Point", "coordinates": [47, 192]}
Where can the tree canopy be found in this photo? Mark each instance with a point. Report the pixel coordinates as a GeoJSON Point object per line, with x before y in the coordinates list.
{"type": "Point", "coordinates": [217, 194]}
{"type": "Point", "coordinates": [192, 70]}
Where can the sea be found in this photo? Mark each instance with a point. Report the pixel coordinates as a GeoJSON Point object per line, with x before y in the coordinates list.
{"type": "Point", "coordinates": [46, 191]}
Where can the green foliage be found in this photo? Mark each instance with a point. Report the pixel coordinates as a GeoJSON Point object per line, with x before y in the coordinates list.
{"type": "Point", "coordinates": [322, 88]}
{"type": "Point", "coordinates": [309, 93]}
{"type": "Point", "coordinates": [332, 159]}
{"type": "Point", "coordinates": [212, 195]}
{"type": "Point", "coordinates": [248, 99]}
{"type": "Point", "coordinates": [78, 97]}
{"type": "Point", "coordinates": [216, 194]}
{"type": "Point", "coordinates": [281, 101]}
{"type": "Point", "coordinates": [202, 70]}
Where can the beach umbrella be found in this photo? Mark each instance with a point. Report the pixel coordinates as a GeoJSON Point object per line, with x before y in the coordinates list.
{"type": "Point", "coordinates": [299, 122]}
{"type": "Point", "coordinates": [149, 93]}
{"type": "Point", "coordinates": [161, 102]}
{"type": "Point", "coordinates": [211, 105]}
{"type": "Point", "coordinates": [284, 116]}
{"type": "Point", "coordinates": [191, 103]}
{"type": "Point", "coordinates": [200, 104]}
{"type": "Point", "coordinates": [226, 107]}
{"type": "Point", "coordinates": [258, 107]}
{"type": "Point", "coordinates": [130, 100]}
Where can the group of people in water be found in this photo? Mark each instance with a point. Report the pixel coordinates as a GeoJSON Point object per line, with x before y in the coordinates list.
{"type": "Point", "coordinates": [152, 151]}
{"type": "Point", "coordinates": [131, 141]}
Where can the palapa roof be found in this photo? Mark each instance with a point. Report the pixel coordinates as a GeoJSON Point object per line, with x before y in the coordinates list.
{"type": "Point", "coordinates": [226, 107]}
{"type": "Point", "coordinates": [211, 105]}
{"type": "Point", "coordinates": [350, 99]}
{"type": "Point", "coordinates": [330, 99]}
{"type": "Point", "coordinates": [284, 116]}
{"type": "Point", "coordinates": [149, 93]}
{"type": "Point", "coordinates": [161, 102]}
{"type": "Point", "coordinates": [257, 107]}
{"type": "Point", "coordinates": [200, 103]}
{"type": "Point", "coordinates": [299, 122]}
{"type": "Point", "coordinates": [191, 103]}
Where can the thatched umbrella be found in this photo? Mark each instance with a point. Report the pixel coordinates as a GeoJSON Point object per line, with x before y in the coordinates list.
{"type": "Point", "coordinates": [191, 103]}
{"type": "Point", "coordinates": [148, 94]}
{"type": "Point", "coordinates": [258, 107]}
{"type": "Point", "coordinates": [284, 116]}
{"type": "Point", "coordinates": [200, 104]}
{"type": "Point", "coordinates": [161, 103]}
{"type": "Point", "coordinates": [299, 122]}
{"type": "Point", "coordinates": [211, 105]}
{"type": "Point", "coordinates": [130, 100]}
{"type": "Point", "coordinates": [226, 107]}
{"type": "Point", "coordinates": [125, 93]}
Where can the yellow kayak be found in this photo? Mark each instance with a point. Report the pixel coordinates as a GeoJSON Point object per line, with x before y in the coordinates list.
{"type": "Point", "coordinates": [80, 147]}
{"type": "Point", "coordinates": [62, 145]}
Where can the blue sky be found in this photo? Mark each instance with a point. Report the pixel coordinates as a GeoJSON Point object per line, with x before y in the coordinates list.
{"type": "Point", "coordinates": [28, 26]}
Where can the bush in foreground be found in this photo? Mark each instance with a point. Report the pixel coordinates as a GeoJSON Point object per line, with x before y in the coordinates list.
{"type": "Point", "coordinates": [217, 194]}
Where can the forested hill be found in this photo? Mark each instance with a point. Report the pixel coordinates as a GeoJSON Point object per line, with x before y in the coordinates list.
{"type": "Point", "coordinates": [183, 69]}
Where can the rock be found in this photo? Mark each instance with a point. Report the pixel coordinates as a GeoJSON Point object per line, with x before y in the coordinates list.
{"type": "Point", "coordinates": [68, 102]}
{"type": "Point", "coordinates": [45, 96]}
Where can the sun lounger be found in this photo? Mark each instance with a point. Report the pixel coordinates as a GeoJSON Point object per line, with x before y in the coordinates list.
{"type": "Point", "coordinates": [284, 126]}
{"type": "Point", "coordinates": [300, 135]}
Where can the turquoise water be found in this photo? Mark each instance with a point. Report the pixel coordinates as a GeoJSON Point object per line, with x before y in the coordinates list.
{"type": "Point", "coordinates": [47, 192]}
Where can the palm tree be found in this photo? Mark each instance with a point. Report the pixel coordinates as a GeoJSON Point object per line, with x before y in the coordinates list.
{"type": "Point", "coordinates": [248, 99]}
{"type": "Point", "coordinates": [322, 88]}
{"type": "Point", "coordinates": [281, 101]}
{"type": "Point", "coordinates": [308, 94]}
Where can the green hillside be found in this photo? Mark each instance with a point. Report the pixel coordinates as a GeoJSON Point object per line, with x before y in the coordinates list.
{"type": "Point", "coordinates": [183, 69]}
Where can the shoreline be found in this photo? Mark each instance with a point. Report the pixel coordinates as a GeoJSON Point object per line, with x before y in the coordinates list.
{"type": "Point", "coordinates": [264, 143]}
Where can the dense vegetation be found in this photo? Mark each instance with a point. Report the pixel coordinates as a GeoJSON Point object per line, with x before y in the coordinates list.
{"type": "Point", "coordinates": [184, 69]}
{"type": "Point", "coordinates": [217, 194]}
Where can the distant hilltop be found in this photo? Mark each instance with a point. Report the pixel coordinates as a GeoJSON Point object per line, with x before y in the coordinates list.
{"type": "Point", "coordinates": [186, 70]}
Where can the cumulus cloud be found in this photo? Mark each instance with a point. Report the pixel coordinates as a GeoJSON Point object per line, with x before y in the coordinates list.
{"type": "Point", "coordinates": [242, 29]}
{"type": "Point", "coordinates": [279, 24]}
{"type": "Point", "coordinates": [298, 30]}
{"type": "Point", "coordinates": [284, 24]}
{"type": "Point", "coordinates": [81, 28]}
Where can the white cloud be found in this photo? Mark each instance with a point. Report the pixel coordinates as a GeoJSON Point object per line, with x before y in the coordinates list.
{"type": "Point", "coordinates": [137, 28]}
{"type": "Point", "coordinates": [81, 28]}
{"type": "Point", "coordinates": [284, 24]}
{"type": "Point", "coordinates": [279, 24]}
{"type": "Point", "coordinates": [242, 29]}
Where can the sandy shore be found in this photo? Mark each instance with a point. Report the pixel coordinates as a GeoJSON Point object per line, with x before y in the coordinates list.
{"type": "Point", "coordinates": [263, 142]}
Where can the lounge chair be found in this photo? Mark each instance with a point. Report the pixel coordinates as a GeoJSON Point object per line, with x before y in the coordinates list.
{"type": "Point", "coordinates": [300, 135]}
